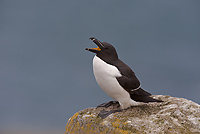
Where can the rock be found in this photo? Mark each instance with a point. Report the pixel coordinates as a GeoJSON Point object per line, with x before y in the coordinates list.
{"type": "Point", "coordinates": [173, 116]}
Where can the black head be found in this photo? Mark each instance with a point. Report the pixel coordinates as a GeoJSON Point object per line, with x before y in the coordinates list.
{"type": "Point", "coordinates": [105, 51]}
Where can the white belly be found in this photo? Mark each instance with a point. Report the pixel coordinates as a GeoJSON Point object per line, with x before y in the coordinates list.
{"type": "Point", "coordinates": [105, 75]}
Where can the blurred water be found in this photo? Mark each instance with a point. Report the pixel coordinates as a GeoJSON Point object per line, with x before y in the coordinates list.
{"type": "Point", "coordinates": [46, 75]}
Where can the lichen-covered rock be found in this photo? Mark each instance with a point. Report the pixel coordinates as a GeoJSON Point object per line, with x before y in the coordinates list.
{"type": "Point", "coordinates": [173, 116]}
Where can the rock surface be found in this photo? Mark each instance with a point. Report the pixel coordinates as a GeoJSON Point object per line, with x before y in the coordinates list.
{"type": "Point", "coordinates": [173, 116]}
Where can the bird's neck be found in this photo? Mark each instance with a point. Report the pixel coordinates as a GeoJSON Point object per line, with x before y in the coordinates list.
{"type": "Point", "coordinates": [109, 59]}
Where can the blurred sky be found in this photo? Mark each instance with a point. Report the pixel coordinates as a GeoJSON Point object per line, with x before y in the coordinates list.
{"type": "Point", "coordinates": [46, 75]}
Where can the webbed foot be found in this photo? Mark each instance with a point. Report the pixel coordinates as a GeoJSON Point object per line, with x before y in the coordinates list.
{"type": "Point", "coordinates": [108, 104]}
{"type": "Point", "coordinates": [103, 114]}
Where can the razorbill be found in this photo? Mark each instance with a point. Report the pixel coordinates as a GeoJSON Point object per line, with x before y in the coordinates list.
{"type": "Point", "coordinates": [116, 78]}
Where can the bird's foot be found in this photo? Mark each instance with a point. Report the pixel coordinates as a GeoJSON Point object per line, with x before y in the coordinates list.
{"type": "Point", "coordinates": [108, 104]}
{"type": "Point", "coordinates": [103, 114]}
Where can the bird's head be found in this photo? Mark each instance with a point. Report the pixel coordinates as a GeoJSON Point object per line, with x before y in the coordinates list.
{"type": "Point", "coordinates": [105, 51]}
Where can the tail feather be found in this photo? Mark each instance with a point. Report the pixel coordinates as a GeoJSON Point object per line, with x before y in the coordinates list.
{"type": "Point", "coordinates": [142, 96]}
{"type": "Point", "coordinates": [140, 92]}
{"type": "Point", "coordinates": [145, 99]}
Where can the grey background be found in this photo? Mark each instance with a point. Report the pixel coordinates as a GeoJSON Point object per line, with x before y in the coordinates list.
{"type": "Point", "coordinates": [46, 75]}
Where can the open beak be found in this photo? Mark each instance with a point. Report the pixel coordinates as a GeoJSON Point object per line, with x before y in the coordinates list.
{"type": "Point", "coordinates": [98, 43]}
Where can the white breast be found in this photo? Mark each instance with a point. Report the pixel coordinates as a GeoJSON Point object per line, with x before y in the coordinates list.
{"type": "Point", "coordinates": [105, 75]}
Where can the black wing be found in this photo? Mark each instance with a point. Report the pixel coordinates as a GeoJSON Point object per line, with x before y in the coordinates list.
{"type": "Point", "coordinates": [128, 80]}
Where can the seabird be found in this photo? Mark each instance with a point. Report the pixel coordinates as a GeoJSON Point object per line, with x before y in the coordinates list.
{"type": "Point", "coordinates": [116, 78]}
